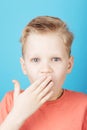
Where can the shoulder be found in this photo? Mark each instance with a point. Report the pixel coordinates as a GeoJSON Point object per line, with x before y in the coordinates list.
{"type": "Point", "coordinates": [8, 95]}
{"type": "Point", "coordinates": [6, 105]}
{"type": "Point", "coordinates": [79, 97]}
{"type": "Point", "coordinates": [7, 101]}
{"type": "Point", "coordinates": [76, 94]}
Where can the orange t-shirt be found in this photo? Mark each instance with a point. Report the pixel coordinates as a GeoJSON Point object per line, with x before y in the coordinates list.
{"type": "Point", "coordinates": [69, 112]}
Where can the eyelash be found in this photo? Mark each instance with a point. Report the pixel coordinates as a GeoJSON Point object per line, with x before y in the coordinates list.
{"type": "Point", "coordinates": [33, 59]}
{"type": "Point", "coordinates": [56, 59]}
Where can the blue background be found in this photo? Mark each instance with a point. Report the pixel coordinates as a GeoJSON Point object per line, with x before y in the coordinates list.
{"type": "Point", "coordinates": [15, 14]}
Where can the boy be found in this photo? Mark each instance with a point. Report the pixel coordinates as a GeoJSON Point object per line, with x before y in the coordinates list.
{"type": "Point", "coordinates": [46, 60]}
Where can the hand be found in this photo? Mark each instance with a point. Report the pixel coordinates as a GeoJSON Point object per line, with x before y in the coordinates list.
{"type": "Point", "coordinates": [27, 102]}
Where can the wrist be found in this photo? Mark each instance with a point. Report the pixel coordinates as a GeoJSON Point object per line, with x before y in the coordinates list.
{"type": "Point", "coordinates": [18, 119]}
{"type": "Point", "coordinates": [12, 122]}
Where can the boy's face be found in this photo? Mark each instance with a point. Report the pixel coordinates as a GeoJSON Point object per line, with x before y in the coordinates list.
{"type": "Point", "coordinates": [46, 54]}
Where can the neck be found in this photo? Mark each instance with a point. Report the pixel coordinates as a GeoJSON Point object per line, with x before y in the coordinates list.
{"type": "Point", "coordinates": [57, 95]}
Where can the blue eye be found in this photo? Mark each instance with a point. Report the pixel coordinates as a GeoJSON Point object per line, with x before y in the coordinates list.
{"type": "Point", "coordinates": [35, 60]}
{"type": "Point", "coordinates": [56, 59]}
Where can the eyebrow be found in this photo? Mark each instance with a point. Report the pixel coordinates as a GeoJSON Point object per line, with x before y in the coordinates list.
{"type": "Point", "coordinates": [38, 55]}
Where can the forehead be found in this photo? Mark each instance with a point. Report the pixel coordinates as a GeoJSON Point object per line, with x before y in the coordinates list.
{"type": "Point", "coordinates": [49, 43]}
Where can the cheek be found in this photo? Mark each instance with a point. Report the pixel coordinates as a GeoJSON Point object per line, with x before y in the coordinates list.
{"type": "Point", "coordinates": [60, 70]}
{"type": "Point", "coordinates": [32, 73]}
{"type": "Point", "coordinates": [59, 76]}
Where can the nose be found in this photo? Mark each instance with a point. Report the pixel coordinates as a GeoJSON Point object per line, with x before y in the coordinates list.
{"type": "Point", "coordinates": [46, 68]}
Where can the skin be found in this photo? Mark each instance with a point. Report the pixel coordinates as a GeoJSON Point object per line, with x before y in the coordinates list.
{"type": "Point", "coordinates": [46, 63]}
{"type": "Point", "coordinates": [47, 55]}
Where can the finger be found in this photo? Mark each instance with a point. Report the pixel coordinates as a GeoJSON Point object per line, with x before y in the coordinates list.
{"type": "Point", "coordinates": [44, 84]}
{"type": "Point", "coordinates": [36, 84]}
{"type": "Point", "coordinates": [47, 97]}
{"type": "Point", "coordinates": [46, 90]}
{"type": "Point", "coordinates": [16, 89]}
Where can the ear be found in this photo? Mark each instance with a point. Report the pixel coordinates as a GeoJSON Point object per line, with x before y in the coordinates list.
{"type": "Point", "coordinates": [23, 65]}
{"type": "Point", "coordinates": [70, 64]}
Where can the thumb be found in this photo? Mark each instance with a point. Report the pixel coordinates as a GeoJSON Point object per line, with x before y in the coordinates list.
{"type": "Point", "coordinates": [16, 89]}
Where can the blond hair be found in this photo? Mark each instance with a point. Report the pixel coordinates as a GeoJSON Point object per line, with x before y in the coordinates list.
{"type": "Point", "coordinates": [46, 24]}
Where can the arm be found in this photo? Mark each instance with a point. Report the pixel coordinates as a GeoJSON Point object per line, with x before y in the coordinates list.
{"type": "Point", "coordinates": [27, 102]}
{"type": "Point", "coordinates": [11, 122]}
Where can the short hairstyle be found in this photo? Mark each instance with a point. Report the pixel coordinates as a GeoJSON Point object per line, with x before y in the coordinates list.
{"type": "Point", "coordinates": [46, 24]}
